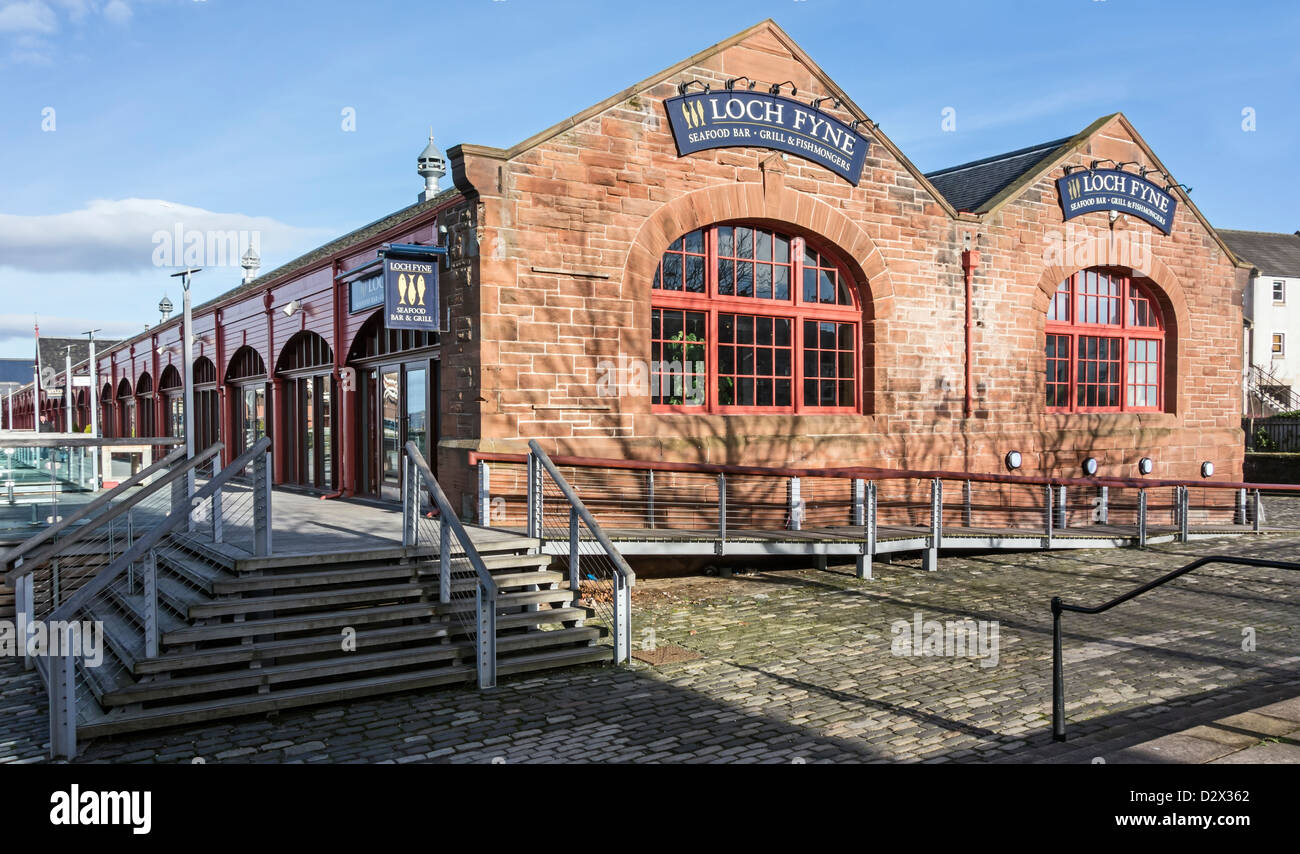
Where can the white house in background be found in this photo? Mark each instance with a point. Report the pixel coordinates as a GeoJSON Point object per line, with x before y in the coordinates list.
{"type": "Point", "coordinates": [1270, 308]}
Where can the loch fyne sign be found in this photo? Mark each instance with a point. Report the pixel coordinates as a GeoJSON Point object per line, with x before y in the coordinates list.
{"type": "Point", "coordinates": [1113, 190]}
{"type": "Point", "coordinates": [410, 275]}
{"type": "Point", "coordinates": [705, 120]}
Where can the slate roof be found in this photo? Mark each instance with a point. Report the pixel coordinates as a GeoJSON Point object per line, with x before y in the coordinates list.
{"type": "Point", "coordinates": [53, 351]}
{"type": "Point", "coordinates": [970, 186]}
{"type": "Point", "coordinates": [1272, 253]}
{"type": "Point", "coordinates": [352, 238]}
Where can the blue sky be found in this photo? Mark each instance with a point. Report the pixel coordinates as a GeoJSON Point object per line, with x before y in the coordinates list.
{"type": "Point", "coordinates": [229, 113]}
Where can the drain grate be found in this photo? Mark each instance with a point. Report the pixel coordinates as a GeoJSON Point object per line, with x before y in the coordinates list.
{"type": "Point", "coordinates": [668, 653]}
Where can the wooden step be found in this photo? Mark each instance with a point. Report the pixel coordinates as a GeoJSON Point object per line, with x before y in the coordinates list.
{"type": "Point", "coordinates": [497, 544]}
{"type": "Point", "coordinates": [511, 600]}
{"type": "Point", "coordinates": [540, 617]}
{"type": "Point", "coordinates": [133, 604]}
{"type": "Point", "coordinates": [302, 623]}
{"type": "Point", "coordinates": [340, 664]}
{"type": "Point", "coordinates": [194, 571]}
{"type": "Point", "coordinates": [363, 571]}
{"type": "Point", "coordinates": [357, 595]}
{"type": "Point", "coordinates": [120, 721]}
{"type": "Point", "coordinates": [273, 650]}
{"type": "Point", "coordinates": [251, 677]}
{"type": "Point", "coordinates": [313, 599]}
{"type": "Point", "coordinates": [358, 574]}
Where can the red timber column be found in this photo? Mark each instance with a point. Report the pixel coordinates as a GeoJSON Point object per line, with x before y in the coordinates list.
{"type": "Point", "coordinates": [278, 449]}
{"type": "Point", "coordinates": [225, 412]}
{"type": "Point", "coordinates": [158, 416]}
{"type": "Point", "coordinates": [345, 406]}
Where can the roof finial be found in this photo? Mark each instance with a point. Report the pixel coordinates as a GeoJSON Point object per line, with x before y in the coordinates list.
{"type": "Point", "coordinates": [431, 166]}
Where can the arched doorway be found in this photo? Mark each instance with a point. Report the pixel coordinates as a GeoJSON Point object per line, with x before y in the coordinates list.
{"type": "Point", "coordinates": [126, 423]}
{"type": "Point", "coordinates": [207, 410]}
{"type": "Point", "coordinates": [106, 423]}
{"type": "Point", "coordinates": [397, 401]}
{"type": "Point", "coordinates": [172, 390]}
{"type": "Point", "coordinates": [306, 366]}
{"type": "Point", "coordinates": [246, 375]}
{"type": "Point", "coordinates": [145, 406]}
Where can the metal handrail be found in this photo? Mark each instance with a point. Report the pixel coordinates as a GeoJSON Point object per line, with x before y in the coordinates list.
{"type": "Point", "coordinates": [576, 503]}
{"type": "Point", "coordinates": [1259, 377]}
{"type": "Point", "coordinates": [873, 473]}
{"type": "Point", "coordinates": [626, 577]}
{"type": "Point", "coordinates": [1058, 607]}
{"type": "Point", "coordinates": [7, 559]}
{"type": "Point", "coordinates": [486, 591]}
{"type": "Point", "coordinates": [43, 556]}
{"type": "Point", "coordinates": [143, 544]}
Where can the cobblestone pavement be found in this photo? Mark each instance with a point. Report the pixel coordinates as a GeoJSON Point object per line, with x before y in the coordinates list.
{"type": "Point", "coordinates": [796, 666]}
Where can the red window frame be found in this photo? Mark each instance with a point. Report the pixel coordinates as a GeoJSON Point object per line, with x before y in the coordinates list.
{"type": "Point", "coordinates": [1091, 312]}
{"type": "Point", "coordinates": [805, 258]}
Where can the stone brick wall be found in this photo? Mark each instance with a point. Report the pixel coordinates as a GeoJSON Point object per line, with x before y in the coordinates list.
{"type": "Point", "coordinates": [570, 225]}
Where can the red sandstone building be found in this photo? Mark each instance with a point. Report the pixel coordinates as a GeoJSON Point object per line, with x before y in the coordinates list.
{"type": "Point", "coordinates": [888, 318]}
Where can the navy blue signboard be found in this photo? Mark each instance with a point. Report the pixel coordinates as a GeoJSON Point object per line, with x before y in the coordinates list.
{"type": "Point", "coordinates": [1114, 190]}
{"type": "Point", "coordinates": [703, 120]}
{"type": "Point", "coordinates": [411, 292]}
{"type": "Point", "coordinates": [366, 293]}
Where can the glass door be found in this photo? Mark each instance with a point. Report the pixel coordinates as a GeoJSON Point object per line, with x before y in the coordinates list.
{"type": "Point", "coordinates": [417, 408]}
{"type": "Point", "coordinates": [390, 445]}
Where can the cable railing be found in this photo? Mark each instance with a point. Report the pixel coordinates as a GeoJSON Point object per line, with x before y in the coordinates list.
{"type": "Point", "coordinates": [876, 510]}
{"type": "Point", "coordinates": [15, 555]}
{"type": "Point", "coordinates": [466, 588]}
{"type": "Point", "coordinates": [596, 571]}
{"type": "Point", "coordinates": [1059, 607]}
{"type": "Point", "coordinates": [143, 563]}
{"type": "Point", "coordinates": [47, 570]}
{"type": "Point", "coordinates": [47, 477]}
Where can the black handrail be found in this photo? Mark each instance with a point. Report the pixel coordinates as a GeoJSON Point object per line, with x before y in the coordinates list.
{"type": "Point", "coordinates": [1058, 607]}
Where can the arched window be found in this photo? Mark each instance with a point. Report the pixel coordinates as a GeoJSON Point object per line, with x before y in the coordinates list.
{"type": "Point", "coordinates": [746, 319]}
{"type": "Point", "coordinates": [1105, 347]}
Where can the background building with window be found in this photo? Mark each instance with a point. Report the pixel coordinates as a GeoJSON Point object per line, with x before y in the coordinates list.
{"type": "Point", "coordinates": [1271, 310]}
{"type": "Point", "coordinates": [611, 296]}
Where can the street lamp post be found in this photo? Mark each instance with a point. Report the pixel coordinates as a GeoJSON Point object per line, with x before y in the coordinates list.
{"type": "Point", "coordinates": [187, 355]}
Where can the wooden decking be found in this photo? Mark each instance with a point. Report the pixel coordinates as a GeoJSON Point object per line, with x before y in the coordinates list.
{"type": "Point", "coordinates": [305, 525]}
{"type": "Point", "coordinates": [851, 540]}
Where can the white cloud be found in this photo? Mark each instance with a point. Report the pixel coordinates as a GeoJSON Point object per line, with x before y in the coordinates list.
{"type": "Point", "coordinates": [136, 235]}
{"type": "Point", "coordinates": [27, 16]}
{"type": "Point", "coordinates": [24, 19]}
{"type": "Point", "coordinates": [117, 12]}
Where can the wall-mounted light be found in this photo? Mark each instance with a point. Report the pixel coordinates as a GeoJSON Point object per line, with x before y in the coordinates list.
{"type": "Point", "coordinates": [1090, 466]}
{"type": "Point", "coordinates": [775, 89]}
{"type": "Point", "coordinates": [1014, 460]}
{"type": "Point", "coordinates": [1183, 187]}
{"type": "Point", "coordinates": [731, 84]}
{"type": "Point", "coordinates": [684, 87]}
{"type": "Point", "coordinates": [1207, 469]}
{"type": "Point", "coordinates": [290, 307]}
{"type": "Point", "coordinates": [1145, 465]}
{"type": "Point", "coordinates": [1097, 163]}
{"type": "Point", "coordinates": [817, 102]}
